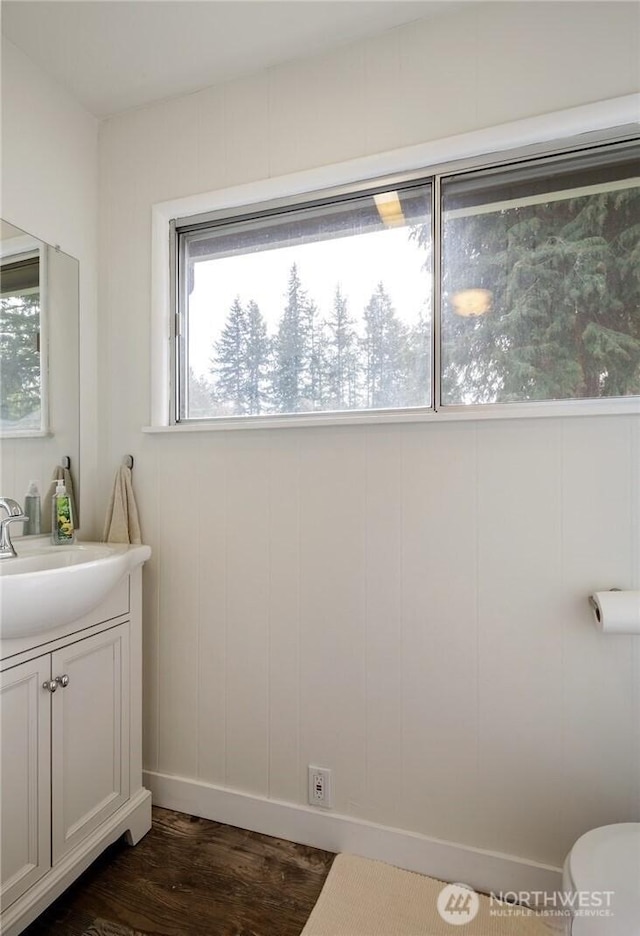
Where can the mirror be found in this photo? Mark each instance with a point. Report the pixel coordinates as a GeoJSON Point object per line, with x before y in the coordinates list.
{"type": "Point", "coordinates": [39, 364]}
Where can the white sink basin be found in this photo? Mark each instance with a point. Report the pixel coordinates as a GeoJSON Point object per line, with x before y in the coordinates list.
{"type": "Point", "coordinates": [47, 586]}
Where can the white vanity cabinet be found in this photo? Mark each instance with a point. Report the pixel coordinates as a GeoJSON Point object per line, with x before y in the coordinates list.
{"type": "Point", "coordinates": [25, 718]}
{"type": "Point", "coordinates": [89, 736]}
{"type": "Point", "coordinates": [71, 768]}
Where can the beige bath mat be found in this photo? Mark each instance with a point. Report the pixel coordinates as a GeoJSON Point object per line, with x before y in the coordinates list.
{"type": "Point", "coordinates": [369, 898]}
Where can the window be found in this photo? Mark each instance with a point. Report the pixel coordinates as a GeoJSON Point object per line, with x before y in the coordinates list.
{"type": "Point", "coordinates": [21, 348]}
{"type": "Point", "coordinates": [325, 307]}
{"type": "Point", "coordinates": [522, 276]}
{"type": "Point", "coordinates": [541, 281]}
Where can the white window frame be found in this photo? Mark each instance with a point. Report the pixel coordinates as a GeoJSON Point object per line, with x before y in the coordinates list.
{"type": "Point", "coordinates": [549, 133]}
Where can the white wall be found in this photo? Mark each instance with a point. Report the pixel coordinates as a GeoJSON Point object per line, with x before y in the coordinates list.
{"type": "Point", "coordinates": [49, 188]}
{"type": "Point", "coordinates": [404, 604]}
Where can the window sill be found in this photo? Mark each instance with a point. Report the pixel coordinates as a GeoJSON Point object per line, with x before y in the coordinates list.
{"type": "Point", "coordinates": [26, 434]}
{"type": "Point", "coordinates": [615, 407]}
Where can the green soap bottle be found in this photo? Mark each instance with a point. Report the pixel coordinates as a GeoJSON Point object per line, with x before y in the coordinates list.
{"type": "Point", "coordinates": [62, 526]}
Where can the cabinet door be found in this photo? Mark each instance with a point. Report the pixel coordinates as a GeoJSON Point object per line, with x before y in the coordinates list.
{"type": "Point", "coordinates": [90, 735]}
{"type": "Point", "coordinates": [25, 810]}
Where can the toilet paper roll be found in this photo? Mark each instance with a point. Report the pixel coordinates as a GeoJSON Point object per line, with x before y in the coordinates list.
{"type": "Point", "coordinates": [617, 612]}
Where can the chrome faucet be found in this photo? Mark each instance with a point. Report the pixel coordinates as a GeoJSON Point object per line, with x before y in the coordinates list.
{"type": "Point", "coordinates": [14, 515]}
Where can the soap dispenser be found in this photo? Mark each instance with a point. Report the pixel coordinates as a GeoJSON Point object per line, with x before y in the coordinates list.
{"type": "Point", "coordinates": [62, 521]}
{"type": "Point", "coordinates": [32, 508]}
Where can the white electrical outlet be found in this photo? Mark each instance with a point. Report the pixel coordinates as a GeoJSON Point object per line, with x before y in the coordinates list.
{"type": "Point", "coordinates": [320, 787]}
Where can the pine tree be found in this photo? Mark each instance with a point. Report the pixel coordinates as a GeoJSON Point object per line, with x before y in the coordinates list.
{"type": "Point", "coordinates": [241, 360]}
{"type": "Point", "coordinates": [384, 348]}
{"type": "Point", "coordinates": [564, 320]}
{"type": "Point", "coordinates": [20, 357]}
{"type": "Point", "coordinates": [228, 366]}
{"type": "Point", "coordinates": [201, 397]}
{"type": "Point", "coordinates": [418, 380]}
{"type": "Point", "coordinates": [291, 381]}
{"type": "Point", "coordinates": [257, 360]}
{"type": "Point", "coordinates": [315, 362]}
{"type": "Point", "coordinates": [341, 384]}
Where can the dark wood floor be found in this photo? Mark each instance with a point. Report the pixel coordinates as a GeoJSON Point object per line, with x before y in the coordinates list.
{"type": "Point", "coordinates": [192, 877]}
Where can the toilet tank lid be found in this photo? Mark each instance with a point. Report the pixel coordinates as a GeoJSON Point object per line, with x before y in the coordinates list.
{"type": "Point", "coordinates": [608, 859]}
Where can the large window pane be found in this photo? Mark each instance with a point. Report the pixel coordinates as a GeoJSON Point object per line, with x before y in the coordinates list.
{"type": "Point", "coordinates": [541, 282]}
{"type": "Point", "coordinates": [323, 308]}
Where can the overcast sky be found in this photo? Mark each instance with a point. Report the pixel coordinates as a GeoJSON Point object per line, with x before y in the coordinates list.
{"type": "Point", "coordinates": [358, 263]}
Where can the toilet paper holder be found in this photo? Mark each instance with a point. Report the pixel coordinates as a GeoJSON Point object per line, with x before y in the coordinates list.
{"type": "Point", "coordinates": [617, 611]}
{"type": "Point", "coordinates": [594, 603]}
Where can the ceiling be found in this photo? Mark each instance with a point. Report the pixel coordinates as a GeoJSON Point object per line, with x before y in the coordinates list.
{"type": "Point", "coordinates": [113, 55]}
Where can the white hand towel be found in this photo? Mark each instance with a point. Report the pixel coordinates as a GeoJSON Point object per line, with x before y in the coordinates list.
{"type": "Point", "coordinates": [59, 474]}
{"type": "Point", "coordinates": [121, 523]}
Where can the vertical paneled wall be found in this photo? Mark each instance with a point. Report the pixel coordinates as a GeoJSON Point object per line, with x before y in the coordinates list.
{"type": "Point", "coordinates": [49, 188]}
{"type": "Point", "coordinates": [404, 604]}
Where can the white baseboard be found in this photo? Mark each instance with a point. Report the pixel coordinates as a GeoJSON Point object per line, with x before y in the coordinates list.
{"type": "Point", "coordinates": [483, 870]}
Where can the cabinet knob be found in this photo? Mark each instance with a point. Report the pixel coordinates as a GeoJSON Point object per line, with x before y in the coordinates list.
{"type": "Point", "coordinates": [62, 681]}
{"type": "Point", "coordinates": [50, 684]}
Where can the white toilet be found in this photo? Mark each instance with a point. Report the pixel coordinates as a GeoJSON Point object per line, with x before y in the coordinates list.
{"type": "Point", "coordinates": [605, 859]}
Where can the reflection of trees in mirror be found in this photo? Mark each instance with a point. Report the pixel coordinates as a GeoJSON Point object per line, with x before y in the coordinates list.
{"type": "Point", "coordinates": [564, 321]}
{"type": "Point", "coordinates": [20, 362]}
{"type": "Point", "coordinates": [317, 361]}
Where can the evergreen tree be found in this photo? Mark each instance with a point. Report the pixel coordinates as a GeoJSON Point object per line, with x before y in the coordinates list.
{"type": "Point", "coordinates": [228, 364]}
{"type": "Point", "coordinates": [291, 350]}
{"type": "Point", "coordinates": [201, 397]}
{"type": "Point", "coordinates": [314, 361]}
{"type": "Point", "coordinates": [564, 282]}
{"type": "Point", "coordinates": [385, 349]}
{"type": "Point", "coordinates": [257, 360]}
{"type": "Point", "coordinates": [341, 383]}
{"type": "Point", "coordinates": [240, 361]}
{"type": "Point", "coordinates": [19, 358]}
{"type": "Point", "coordinates": [418, 378]}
